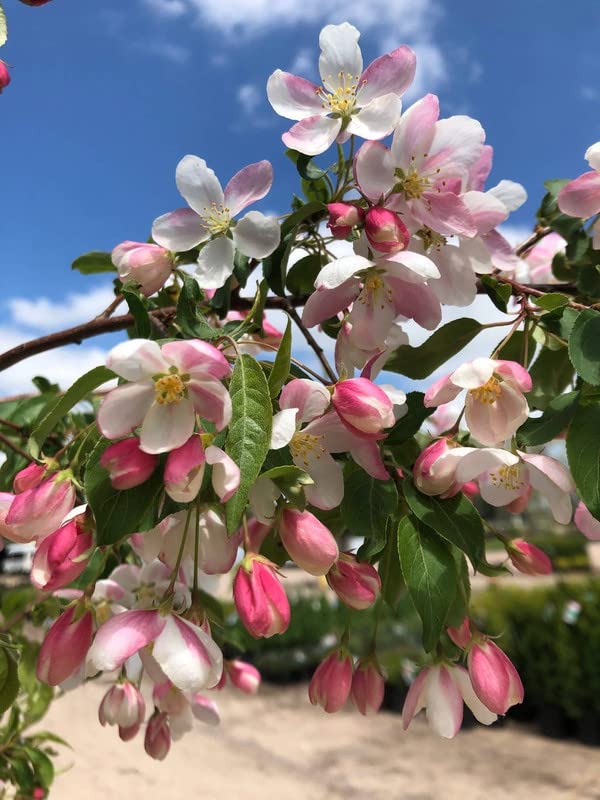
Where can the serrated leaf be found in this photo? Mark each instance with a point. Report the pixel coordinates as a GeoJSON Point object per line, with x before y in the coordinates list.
{"type": "Point", "coordinates": [551, 373]}
{"type": "Point", "coordinates": [190, 319]}
{"type": "Point", "coordinates": [9, 679]}
{"type": "Point", "coordinates": [139, 312]}
{"type": "Point", "coordinates": [390, 572]}
{"type": "Point", "coordinates": [249, 433]}
{"type": "Point", "coordinates": [119, 513]}
{"type": "Point", "coordinates": [584, 349]}
{"type": "Point", "coordinates": [583, 452]}
{"type": "Point", "coordinates": [420, 362]}
{"type": "Point", "coordinates": [94, 262]}
{"type": "Point", "coordinates": [80, 389]}
{"type": "Point", "coordinates": [302, 275]}
{"type": "Point", "coordinates": [429, 570]}
{"type": "Point", "coordinates": [555, 419]}
{"type": "Point", "coordinates": [367, 505]}
{"type": "Point", "coordinates": [454, 518]}
{"type": "Point", "coordinates": [551, 301]}
{"type": "Point", "coordinates": [411, 422]}
{"type": "Point", "coordinates": [499, 293]}
{"type": "Point", "coordinates": [281, 366]}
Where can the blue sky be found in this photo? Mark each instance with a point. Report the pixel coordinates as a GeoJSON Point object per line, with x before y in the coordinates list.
{"type": "Point", "coordinates": [107, 96]}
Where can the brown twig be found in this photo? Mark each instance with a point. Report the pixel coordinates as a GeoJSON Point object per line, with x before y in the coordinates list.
{"type": "Point", "coordinates": [538, 234]}
{"type": "Point", "coordinates": [312, 342]}
{"type": "Point", "coordinates": [14, 447]}
{"type": "Point", "coordinates": [13, 425]}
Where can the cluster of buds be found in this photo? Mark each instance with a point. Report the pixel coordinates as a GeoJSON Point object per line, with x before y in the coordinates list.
{"type": "Point", "coordinates": [337, 678]}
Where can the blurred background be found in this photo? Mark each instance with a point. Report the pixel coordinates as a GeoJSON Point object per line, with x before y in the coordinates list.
{"type": "Point", "coordinates": [105, 99]}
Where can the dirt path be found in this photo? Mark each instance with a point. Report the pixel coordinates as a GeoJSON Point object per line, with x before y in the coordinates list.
{"type": "Point", "coordinates": [278, 746]}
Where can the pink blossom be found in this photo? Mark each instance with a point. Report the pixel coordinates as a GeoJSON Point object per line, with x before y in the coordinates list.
{"type": "Point", "coordinates": [260, 599]}
{"type": "Point", "coordinates": [368, 687]}
{"type": "Point", "coordinates": [356, 583]}
{"type": "Point", "coordinates": [4, 76]}
{"type": "Point", "coordinates": [441, 689]}
{"type": "Point", "coordinates": [343, 217]}
{"type": "Point", "coordinates": [243, 676]}
{"type": "Point", "coordinates": [385, 230]}
{"type": "Point", "coordinates": [157, 741]}
{"type": "Point", "coordinates": [495, 680]}
{"type": "Point", "coordinates": [351, 101]}
{"type": "Point", "coordinates": [331, 682]}
{"type": "Point", "coordinates": [586, 523]}
{"type": "Point", "coordinates": [434, 471]}
{"type": "Point", "coordinates": [209, 220]}
{"type": "Point", "coordinates": [185, 653]}
{"type": "Point", "coordinates": [127, 464]}
{"type": "Point", "coordinates": [36, 512]}
{"type": "Point", "coordinates": [528, 558]}
{"type": "Point", "coordinates": [66, 645]}
{"type": "Point", "coordinates": [62, 556]}
{"type": "Point", "coordinates": [364, 408]}
{"type": "Point", "coordinates": [184, 471]}
{"type": "Point", "coordinates": [581, 197]}
{"type": "Point", "coordinates": [148, 265]}
{"type": "Point", "coordinates": [122, 705]}
{"type": "Point", "coordinates": [539, 258]}
{"type": "Point", "coordinates": [308, 542]}
{"type": "Point", "coordinates": [495, 406]}
{"type": "Point", "coordinates": [166, 388]}
{"type": "Point", "coordinates": [461, 636]}
{"type": "Point", "coordinates": [29, 477]}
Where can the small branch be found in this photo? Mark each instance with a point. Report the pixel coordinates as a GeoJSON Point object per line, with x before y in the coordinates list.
{"type": "Point", "coordinates": [108, 311]}
{"type": "Point", "coordinates": [536, 236]}
{"type": "Point", "coordinates": [13, 425]}
{"type": "Point", "coordinates": [14, 447]}
{"type": "Point", "coordinates": [319, 352]}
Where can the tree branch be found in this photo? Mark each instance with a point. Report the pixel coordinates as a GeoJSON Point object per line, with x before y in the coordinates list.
{"type": "Point", "coordinates": [319, 352]}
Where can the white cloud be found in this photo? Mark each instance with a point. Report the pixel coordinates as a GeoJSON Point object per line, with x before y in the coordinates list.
{"type": "Point", "coordinates": [589, 93]}
{"type": "Point", "coordinates": [167, 8]}
{"type": "Point", "coordinates": [514, 233]}
{"type": "Point", "coordinates": [250, 98]}
{"type": "Point", "coordinates": [45, 315]}
{"type": "Point", "coordinates": [304, 63]}
{"type": "Point", "coordinates": [432, 70]}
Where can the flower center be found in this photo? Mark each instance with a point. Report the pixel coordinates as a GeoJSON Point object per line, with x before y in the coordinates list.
{"type": "Point", "coordinates": [412, 184]}
{"type": "Point", "coordinates": [375, 290]}
{"type": "Point", "coordinates": [216, 219]}
{"type": "Point", "coordinates": [432, 239]}
{"type": "Point", "coordinates": [169, 389]}
{"type": "Point", "coordinates": [304, 446]}
{"type": "Point", "coordinates": [489, 392]}
{"type": "Point", "coordinates": [343, 100]}
{"type": "Point", "coordinates": [508, 477]}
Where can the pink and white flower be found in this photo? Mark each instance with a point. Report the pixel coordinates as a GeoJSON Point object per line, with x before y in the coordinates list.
{"type": "Point", "coordinates": [157, 741]}
{"type": "Point", "coordinates": [364, 408]}
{"type": "Point", "coordinates": [528, 558]}
{"type": "Point", "coordinates": [185, 653]}
{"type": "Point", "coordinates": [122, 705]}
{"type": "Point", "coordinates": [343, 217]}
{"type": "Point", "coordinates": [331, 683]}
{"type": "Point", "coordinates": [127, 464]}
{"type": "Point", "coordinates": [184, 471]}
{"type": "Point", "coordinates": [148, 265]}
{"type": "Point", "coordinates": [243, 676]}
{"type": "Point", "coordinates": [307, 541]}
{"type": "Point", "coordinates": [495, 406]}
{"type": "Point", "coordinates": [66, 645]}
{"type": "Point", "coordinates": [581, 197]}
{"type": "Point", "coordinates": [39, 510]}
{"type": "Point", "coordinates": [182, 708]}
{"type": "Point", "coordinates": [356, 583]}
{"type": "Point", "coordinates": [441, 689]}
{"type": "Point", "coordinates": [62, 556]}
{"type": "Point", "coordinates": [209, 220]}
{"type": "Point", "coordinates": [260, 599]}
{"type": "Point", "coordinates": [351, 101]}
{"type": "Point", "coordinates": [368, 687]}
{"type": "Point", "coordinates": [166, 387]}
{"type": "Point", "coordinates": [495, 680]}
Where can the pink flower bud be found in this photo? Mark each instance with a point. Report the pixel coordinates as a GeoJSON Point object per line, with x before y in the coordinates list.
{"type": "Point", "coordinates": [39, 511]}
{"type": "Point", "coordinates": [148, 265]}
{"type": "Point", "coordinates": [342, 218]}
{"type": "Point", "coordinates": [356, 583]}
{"type": "Point", "coordinates": [368, 686]}
{"type": "Point", "coordinates": [29, 477]}
{"type": "Point", "coordinates": [586, 523]}
{"type": "Point", "coordinates": [128, 466]}
{"type": "Point", "coordinates": [260, 599]}
{"type": "Point", "coordinates": [331, 683]}
{"type": "Point", "coordinates": [363, 407]}
{"type": "Point", "coordinates": [157, 741]}
{"type": "Point", "coordinates": [528, 558]}
{"type": "Point", "coordinates": [461, 636]}
{"type": "Point", "coordinates": [184, 470]}
{"type": "Point", "coordinates": [122, 705]}
{"type": "Point", "coordinates": [434, 470]}
{"type": "Point", "coordinates": [495, 680]}
{"type": "Point", "coordinates": [385, 230]}
{"type": "Point", "coordinates": [244, 677]}
{"type": "Point", "coordinates": [127, 734]}
{"type": "Point", "coordinates": [66, 645]}
{"type": "Point", "coordinates": [308, 542]}
{"type": "Point", "coordinates": [62, 556]}
{"type": "Point", "coordinates": [4, 76]}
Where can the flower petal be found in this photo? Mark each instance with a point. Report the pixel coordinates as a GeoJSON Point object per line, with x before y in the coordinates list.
{"type": "Point", "coordinates": [312, 135]}
{"type": "Point", "coordinates": [340, 54]}
{"type": "Point", "coordinates": [215, 263]}
{"type": "Point", "coordinates": [339, 271]}
{"type": "Point", "coordinates": [581, 197]}
{"type": "Point", "coordinates": [391, 73]}
{"type": "Point", "coordinates": [554, 481]}
{"type": "Point", "coordinates": [284, 427]}
{"type": "Point", "coordinates": [124, 408]}
{"type": "Point", "coordinates": [416, 262]}
{"type": "Point", "coordinates": [327, 491]}
{"type": "Point", "coordinates": [122, 636]}
{"type": "Point", "coordinates": [374, 170]}
{"type": "Point", "coordinates": [415, 131]}
{"type": "Point", "coordinates": [198, 184]}
{"type": "Point", "coordinates": [197, 357]}
{"type": "Point", "coordinates": [211, 400]}
{"type": "Point", "coordinates": [309, 398]}
{"type": "Point", "coordinates": [188, 656]}
{"type": "Point", "coordinates": [247, 186]}
{"type": "Point", "coordinates": [511, 194]}
{"type": "Point", "coordinates": [136, 359]}
{"type": "Point", "coordinates": [444, 212]}
{"type": "Point", "coordinates": [167, 426]}
{"type": "Point", "coordinates": [377, 119]}
{"type": "Point", "coordinates": [179, 230]}
{"type": "Point", "coordinates": [293, 97]}
{"type": "Point", "coordinates": [444, 703]}
{"type": "Point", "coordinates": [592, 156]}
{"type": "Point", "coordinates": [225, 473]}
{"type": "Point", "coordinates": [479, 711]}
{"type": "Point", "coordinates": [326, 303]}
{"type": "Point", "coordinates": [256, 235]}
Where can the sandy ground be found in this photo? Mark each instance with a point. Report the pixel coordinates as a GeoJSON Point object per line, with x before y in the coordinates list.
{"type": "Point", "coordinates": [277, 746]}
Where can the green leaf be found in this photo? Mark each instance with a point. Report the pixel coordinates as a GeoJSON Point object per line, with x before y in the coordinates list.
{"type": "Point", "coordinates": [460, 606]}
{"type": "Point", "coordinates": [315, 209]}
{"type": "Point", "coordinates": [190, 319]}
{"type": "Point", "coordinates": [390, 572]}
{"type": "Point", "coordinates": [420, 362]}
{"type": "Point", "coordinates": [454, 518]}
{"type": "Point", "coordinates": [302, 275]}
{"type": "Point", "coordinates": [42, 766]}
{"type": "Point", "coordinates": [119, 514]}
{"type": "Point", "coordinates": [9, 679]}
{"type": "Point", "coordinates": [555, 419]}
{"type": "Point", "coordinates": [94, 262]}
{"type": "Point", "coordinates": [80, 389]}
{"type": "Point", "coordinates": [142, 323]}
{"type": "Point", "coordinates": [281, 366]}
{"type": "Point", "coordinates": [513, 349]}
{"type": "Point", "coordinates": [583, 452]}
{"type": "Point", "coordinates": [305, 165]}
{"type": "Point", "coordinates": [249, 431]}
{"type": "Point", "coordinates": [554, 185]}
{"type": "Point", "coordinates": [411, 422]}
{"type": "Point", "coordinates": [287, 474]}
{"type": "Point", "coordinates": [429, 570]}
{"type": "Point", "coordinates": [367, 505]}
{"type": "Point", "coordinates": [551, 301]}
{"type": "Point", "coordinates": [584, 346]}
{"type": "Point", "coordinates": [551, 373]}
{"type": "Point", "coordinates": [499, 293]}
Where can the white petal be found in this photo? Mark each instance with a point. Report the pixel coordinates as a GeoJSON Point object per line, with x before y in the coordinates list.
{"type": "Point", "coordinates": [293, 97]}
{"type": "Point", "coordinates": [215, 263]}
{"type": "Point", "coordinates": [198, 184]}
{"type": "Point", "coordinates": [457, 285]}
{"type": "Point", "coordinates": [378, 119]}
{"type": "Point", "coordinates": [312, 135]}
{"type": "Point", "coordinates": [476, 462]}
{"type": "Point", "coordinates": [167, 426]}
{"type": "Point", "coordinates": [137, 359]}
{"type": "Point", "coordinates": [179, 230]}
{"type": "Point", "coordinates": [592, 156]}
{"type": "Point", "coordinates": [339, 271]}
{"type": "Point", "coordinates": [256, 235]}
{"type": "Point", "coordinates": [263, 497]}
{"type": "Point", "coordinates": [479, 711]}
{"type": "Point", "coordinates": [340, 53]}
{"type": "Point", "coordinates": [374, 170]}
{"type": "Point", "coordinates": [327, 491]}
{"type": "Point", "coordinates": [123, 409]}
{"type": "Point", "coordinates": [284, 427]}
{"type": "Point", "coordinates": [511, 194]}
{"type": "Point", "coordinates": [474, 373]}
{"type": "Point", "coordinates": [225, 473]}
{"type": "Point", "coordinates": [415, 262]}
{"type": "Point", "coordinates": [188, 656]}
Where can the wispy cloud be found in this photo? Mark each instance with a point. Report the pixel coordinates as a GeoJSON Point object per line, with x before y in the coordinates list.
{"type": "Point", "coordinates": [250, 98]}
{"type": "Point", "coordinates": [175, 53]}
{"type": "Point", "coordinates": [167, 8]}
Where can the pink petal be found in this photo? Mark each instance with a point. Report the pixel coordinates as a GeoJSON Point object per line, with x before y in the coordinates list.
{"type": "Point", "coordinates": [326, 303]}
{"type": "Point", "coordinates": [310, 398]}
{"type": "Point", "coordinates": [312, 135]}
{"type": "Point", "coordinates": [415, 699]}
{"type": "Point", "coordinates": [247, 186]}
{"type": "Point", "coordinates": [293, 97]}
{"type": "Point", "coordinates": [225, 473]}
{"type": "Point", "coordinates": [391, 73]}
{"type": "Point", "coordinates": [486, 210]}
{"type": "Point", "coordinates": [442, 391]}
{"type": "Point", "coordinates": [581, 197]}
{"type": "Point", "coordinates": [515, 373]}
{"type": "Point", "coordinates": [415, 130]}
{"type": "Point", "coordinates": [197, 358]}
{"type": "Point", "coordinates": [374, 170]}
{"type": "Point", "coordinates": [122, 636]}
{"type": "Point", "coordinates": [187, 655]}
{"type": "Point", "coordinates": [586, 523]}
{"type": "Point", "coordinates": [444, 703]}
{"type": "Point", "coordinates": [479, 171]}
{"type": "Point", "coordinates": [179, 230]}
{"type": "Point", "coordinates": [211, 400]}
{"type": "Point", "coordinates": [444, 212]}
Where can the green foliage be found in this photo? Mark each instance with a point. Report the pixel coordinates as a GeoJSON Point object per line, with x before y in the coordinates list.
{"type": "Point", "coordinates": [302, 275]}
{"type": "Point", "coordinates": [411, 422]}
{"type": "Point", "coordinates": [367, 505]}
{"type": "Point", "coordinates": [281, 366]}
{"type": "Point", "coordinates": [249, 433]}
{"type": "Point", "coordinates": [584, 347]}
{"type": "Point", "coordinates": [94, 262]}
{"type": "Point", "coordinates": [583, 451]}
{"type": "Point", "coordinates": [551, 373]}
{"type": "Point", "coordinates": [142, 324]}
{"type": "Point", "coordinates": [558, 414]}
{"type": "Point", "coordinates": [499, 293]}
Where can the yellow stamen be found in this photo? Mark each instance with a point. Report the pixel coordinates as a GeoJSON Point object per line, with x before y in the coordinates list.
{"type": "Point", "coordinates": [305, 445]}
{"type": "Point", "coordinates": [169, 389]}
{"type": "Point", "coordinates": [508, 477]}
{"type": "Point", "coordinates": [216, 219]}
{"type": "Point", "coordinates": [489, 392]}
{"type": "Point", "coordinates": [375, 290]}
{"type": "Point", "coordinates": [343, 100]}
